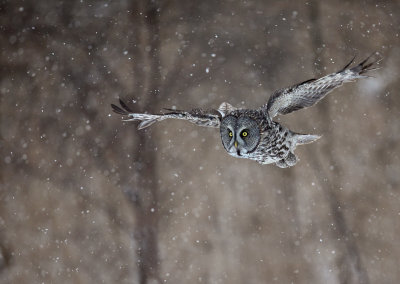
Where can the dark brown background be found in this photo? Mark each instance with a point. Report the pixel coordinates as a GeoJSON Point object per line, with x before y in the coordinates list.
{"type": "Point", "coordinates": [88, 199]}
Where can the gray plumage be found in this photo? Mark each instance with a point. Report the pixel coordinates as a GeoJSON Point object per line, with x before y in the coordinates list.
{"type": "Point", "coordinates": [252, 134]}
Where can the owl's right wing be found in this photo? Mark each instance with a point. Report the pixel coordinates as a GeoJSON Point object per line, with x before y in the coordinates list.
{"type": "Point", "coordinates": [207, 118]}
{"type": "Point", "coordinates": [312, 91]}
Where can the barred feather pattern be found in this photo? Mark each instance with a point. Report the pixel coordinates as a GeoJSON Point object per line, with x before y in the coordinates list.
{"type": "Point", "coordinates": [200, 117]}
{"type": "Point", "coordinates": [310, 92]}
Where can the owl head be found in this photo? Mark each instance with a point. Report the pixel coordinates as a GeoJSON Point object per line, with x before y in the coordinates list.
{"type": "Point", "coordinates": [240, 134]}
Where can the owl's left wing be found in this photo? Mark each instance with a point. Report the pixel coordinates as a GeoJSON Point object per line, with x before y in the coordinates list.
{"type": "Point", "coordinates": [207, 118]}
{"type": "Point", "coordinates": [312, 91]}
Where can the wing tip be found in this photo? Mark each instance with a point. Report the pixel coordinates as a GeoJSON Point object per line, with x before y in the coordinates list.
{"type": "Point", "coordinates": [124, 106]}
{"type": "Point", "coordinates": [368, 64]}
{"type": "Point", "coordinates": [118, 110]}
{"type": "Point", "coordinates": [348, 64]}
{"type": "Point", "coordinates": [122, 109]}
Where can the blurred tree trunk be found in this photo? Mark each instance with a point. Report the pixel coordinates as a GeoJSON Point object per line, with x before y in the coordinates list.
{"type": "Point", "coordinates": [350, 265]}
{"type": "Point", "coordinates": [143, 192]}
{"type": "Point", "coordinates": [289, 205]}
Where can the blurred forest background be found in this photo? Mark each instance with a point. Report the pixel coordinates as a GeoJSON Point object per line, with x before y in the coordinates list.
{"type": "Point", "coordinates": [86, 198]}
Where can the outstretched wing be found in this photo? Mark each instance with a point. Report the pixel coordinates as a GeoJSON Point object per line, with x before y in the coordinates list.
{"type": "Point", "coordinates": [312, 91]}
{"type": "Point", "coordinates": [208, 118]}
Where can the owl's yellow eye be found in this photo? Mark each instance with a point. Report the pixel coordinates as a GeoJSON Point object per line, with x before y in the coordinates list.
{"type": "Point", "coordinates": [244, 133]}
{"type": "Point", "coordinates": [230, 134]}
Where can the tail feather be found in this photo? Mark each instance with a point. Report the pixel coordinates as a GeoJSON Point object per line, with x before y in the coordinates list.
{"type": "Point", "coordinates": [306, 138]}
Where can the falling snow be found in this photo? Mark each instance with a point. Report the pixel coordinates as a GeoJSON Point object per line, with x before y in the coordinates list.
{"type": "Point", "coordinates": [88, 198]}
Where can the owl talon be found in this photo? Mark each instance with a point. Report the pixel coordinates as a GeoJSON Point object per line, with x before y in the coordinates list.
{"type": "Point", "coordinates": [282, 164]}
{"type": "Point", "coordinates": [291, 159]}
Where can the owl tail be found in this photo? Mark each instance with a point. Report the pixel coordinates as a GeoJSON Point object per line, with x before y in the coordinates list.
{"type": "Point", "coordinates": [305, 138]}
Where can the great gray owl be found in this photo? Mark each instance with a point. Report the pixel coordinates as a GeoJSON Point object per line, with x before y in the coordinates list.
{"type": "Point", "coordinates": [251, 133]}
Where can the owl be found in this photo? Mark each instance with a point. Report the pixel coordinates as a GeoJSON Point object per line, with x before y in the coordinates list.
{"type": "Point", "coordinates": [252, 133]}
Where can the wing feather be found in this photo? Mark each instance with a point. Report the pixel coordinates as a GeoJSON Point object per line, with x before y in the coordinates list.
{"type": "Point", "coordinates": [310, 92]}
{"type": "Point", "coordinates": [207, 118]}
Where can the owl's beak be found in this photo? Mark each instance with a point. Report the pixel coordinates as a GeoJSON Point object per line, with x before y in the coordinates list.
{"type": "Point", "coordinates": [236, 147]}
